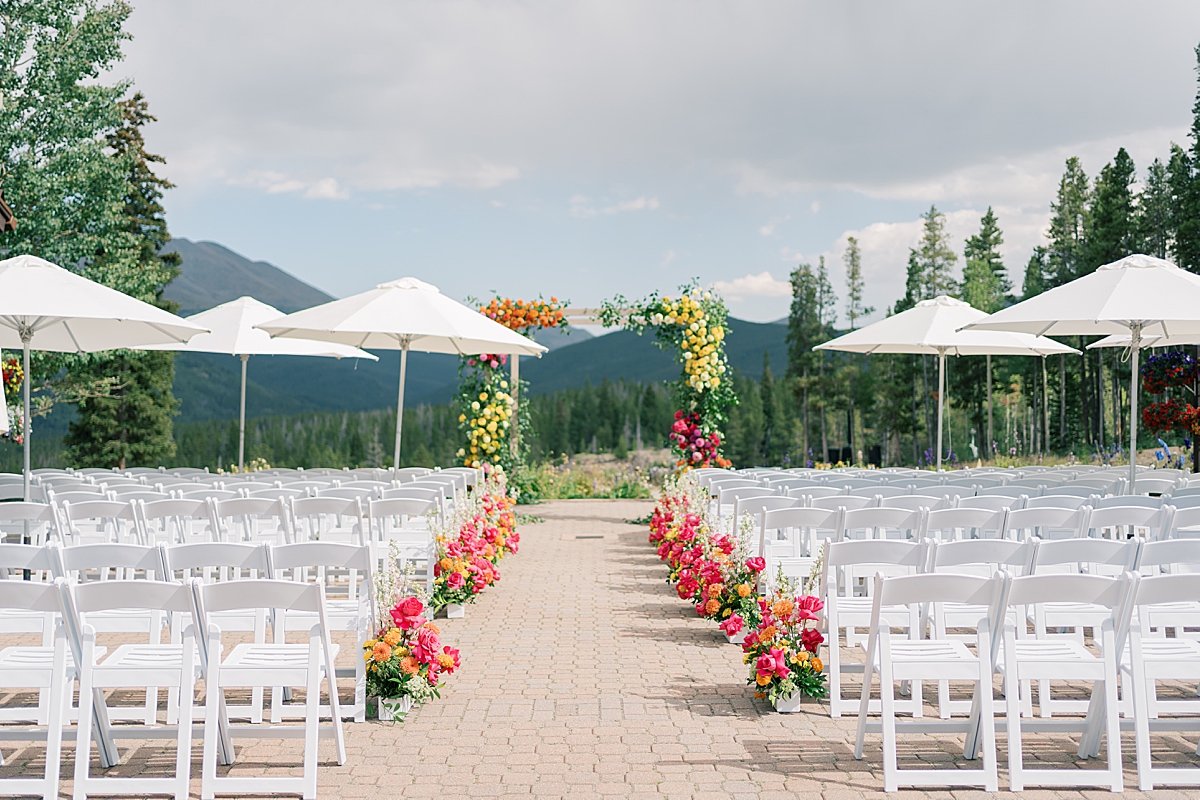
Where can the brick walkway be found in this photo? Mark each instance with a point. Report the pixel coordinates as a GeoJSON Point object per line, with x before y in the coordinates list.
{"type": "Point", "coordinates": [585, 676]}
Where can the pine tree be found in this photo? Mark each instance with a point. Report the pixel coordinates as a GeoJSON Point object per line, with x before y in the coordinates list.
{"type": "Point", "coordinates": [855, 310]}
{"type": "Point", "coordinates": [985, 280]}
{"type": "Point", "coordinates": [1112, 231]}
{"type": "Point", "coordinates": [1185, 184]}
{"type": "Point", "coordinates": [931, 262]}
{"type": "Point", "coordinates": [1154, 217]}
{"type": "Point", "coordinates": [1036, 278]}
{"type": "Point", "coordinates": [1067, 255]}
{"type": "Point", "coordinates": [769, 447]}
{"type": "Point", "coordinates": [133, 426]}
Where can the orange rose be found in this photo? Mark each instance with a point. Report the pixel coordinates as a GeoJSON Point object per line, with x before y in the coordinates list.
{"type": "Point", "coordinates": [433, 628]}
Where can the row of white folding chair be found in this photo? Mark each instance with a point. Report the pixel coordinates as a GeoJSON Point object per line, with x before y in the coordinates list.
{"type": "Point", "coordinates": [1017, 660]}
{"type": "Point", "coordinates": [177, 665]}
{"type": "Point", "coordinates": [352, 566]}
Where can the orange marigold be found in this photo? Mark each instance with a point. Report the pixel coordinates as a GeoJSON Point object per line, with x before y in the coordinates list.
{"type": "Point", "coordinates": [392, 637]}
{"type": "Point", "coordinates": [743, 590]}
{"type": "Point", "coordinates": [381, 652]}
{"type": "Point", "coordinates": [408, 665]}
{"type": "Point", "coordinates": [817, 664]}
{"type": "Point", "coordinates": [767, 633]}
{"type": "Point", "coordinates": [783, 608]}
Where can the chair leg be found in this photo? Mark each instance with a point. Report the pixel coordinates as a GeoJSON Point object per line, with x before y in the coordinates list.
{"type": "Point", "coordinates": [56, 721]}
{"type": "Point", "coordinates": [83, 740]}
{"type": "Point", "coordinates": [312, 725]}
{"type": "Point", "coordinates": [1016, 780]}
{"type": "Point", "coordinates": [888, 704]}
{"type": "Point", "coordinates": [1141, 730]}
{"type": "Point", "coordinates": [212, 702]}
{"type": "Point", "coordinates": [183, 753]}
{"type": "Point", "coordinates": [1112, 713]}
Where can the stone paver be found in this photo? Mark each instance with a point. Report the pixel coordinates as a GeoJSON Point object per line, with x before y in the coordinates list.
{"type": "Point", "coordinates": [585, 676]}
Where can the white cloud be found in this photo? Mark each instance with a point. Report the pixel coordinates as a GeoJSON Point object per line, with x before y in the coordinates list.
{"type": "Point", "coordinates": [667, 259]}
{"type": "Point", "coordinates": [764, 284]}
{"type": "Point", "coordinates": [816, 206]}
{"type": "Point", "coordinates": [581, 206]}
{"type": "Point", "coordinates": [769, 228]}
{"type": "Point", "coordinates": [278, 183]}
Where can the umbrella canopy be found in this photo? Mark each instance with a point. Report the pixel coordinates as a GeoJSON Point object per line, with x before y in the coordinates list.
{"type": "Point", "coordinates": [45, 307]}
{"type": "Point", "coordinates": [1135, 296]}
{"type": "Point", "coordinates": [932, 327]}
{"type": "Point", "coordinates": [232, 331]}
{"type": "Point", "coordinates": [405, 314]}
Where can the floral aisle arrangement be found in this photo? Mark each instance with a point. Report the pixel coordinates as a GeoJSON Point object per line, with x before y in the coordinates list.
{"type": "Point", "coordinates": [13, 375]}
{"type": "Point", "coordinates": [472, 540]}
{"type": "Point", "coordinates": [694, 326]}
{"type": "Point", "coordinates": [1163, 374]}
{"type": "Point", "coordinates": [712, 569]}
{"type": "Point", "coordinates": [406, 658]}
{"type": "Point", "coordinates": [488, 415]}
{"type": "Point", "coordinates": [783, 649]}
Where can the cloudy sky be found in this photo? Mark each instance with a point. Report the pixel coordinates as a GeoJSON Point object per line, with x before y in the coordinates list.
{"type": "Point", "coordinates": [586, 149]}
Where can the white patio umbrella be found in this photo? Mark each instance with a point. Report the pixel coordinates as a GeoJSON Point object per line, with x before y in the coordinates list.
{"type": "Point", "coordinates": [1137, 296]}
{"type": "Point", "coordinates": [233, 332]}
{"type": "Point", "coordinates": [45, 307]}
{"type": "Point", "coordinates": [405, 314]}
{"type": "Point", "coordinates": [931, 327]}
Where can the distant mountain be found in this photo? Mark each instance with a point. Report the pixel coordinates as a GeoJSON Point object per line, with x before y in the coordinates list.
{"type": "Point", "coordinates": [213, 274]}
{"type": "Point", "coordinates": [624, 354]}
{"type": "Point", "coordinates": [207, 384]}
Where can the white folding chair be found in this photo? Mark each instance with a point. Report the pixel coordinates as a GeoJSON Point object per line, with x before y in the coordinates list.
{"type": "Point", "coordinates": [105, 563]}
{"type": "Point", "coordinates": [1127, 521]}
{"type": "Point", "coordinates": [252, 519]}
{"type": "Point", "coordinates": [1069, 618]}
{"type": "Point", "coordinates": [328, 519]}
{"type": "Point", "coordinates": [951, 524]}
{"type": "Point", "coordinates": [990, 502]}
{"type": "Point", "coordinates": [101, 521]}
{"type": "Point", "coordinates": [209, 562]}
{"type": "Point", "coordinates": [267, 665]}
{"type": "Point", "coordinates": [401, 522]}
{"type": "Point", "coordinates": [1046, 523]}
{"type": "Point", "coordinates": [915, 502]}
{"type": "Point", "coordinates": [1044, 660]}
{"type": "Point", "coordinates": [30, 523]}
{"type": "Point", "coordinates": [846, 573]}
{"type": "Point", "coordinates": [43, 669]}
{"type": "Point", "coordinates": [917, 659]}
{"type": "Point", "coordinates": [131, 666]}
{"type": "Point", "coordinates": [328, 563]}
{"type": "Point", "coordinates": [176, 521]}
{"type": "Point", "coordinates": [881, 523]}
{"type": "Point", "coordinates": [755, 506]}
{"type": "Point", "coordinates": [835, 502]}
{"type": "Point", "coordinates": [1149, 658]}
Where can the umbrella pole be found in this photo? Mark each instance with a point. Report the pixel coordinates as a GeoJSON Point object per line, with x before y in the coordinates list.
{"type": "Point", "coordinates": [405, 341]}
{"type": "Point", "coordinates": [26, 337]}
{"type": "Point", "coordinates": [988, 448]}
{"type": "Point", "coordinates": [941, 401]}
{"type": "Point", "coordinates": [1135, 345]}
{"type": "Point", "coordinates": [242, 420]}
{"type": "Point", "coordinates": [514, 430]}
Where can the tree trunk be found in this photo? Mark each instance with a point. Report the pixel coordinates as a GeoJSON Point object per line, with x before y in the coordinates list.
{"type": "Point", "coordinates": [1062, 400]}
{"type": "Point", "coordinates": [807, 429]}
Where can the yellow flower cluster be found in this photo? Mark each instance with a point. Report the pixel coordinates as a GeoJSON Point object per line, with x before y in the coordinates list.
{"type": "Point", "coordinates": [488, 428]}
{"type": "Point", "coordinates": [702, 358]}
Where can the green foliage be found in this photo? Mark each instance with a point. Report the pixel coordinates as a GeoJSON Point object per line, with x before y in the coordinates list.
{"type": "Point", "coordinates": [132, 425]}
{"type": "Point", "coordinates": [1067, 254]}
{"type": "Point", "coordinates": [1155, 215]}
{"type": "Point", "coordinates": [931, 262]}
{"type": "Point", "coordinates": [855, 310]}
{"type": "Point", "coordinates": [1113, 224]}
{"type": "Point", "coordinates": [985, 282]}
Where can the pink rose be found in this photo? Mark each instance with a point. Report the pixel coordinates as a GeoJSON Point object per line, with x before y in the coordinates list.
{"type": "Point", "coordinates": [427, 645]}
{"type": "Point", "coordinates": [732, 626]}
{"type": "Point", "coordinates": [756, 564]}
{"type": "Point", "coordinates": [808, 607]}
{"type": "Point", "coordinates": [765, 666]}
{"type": "Point", "coordinates": [781, 667]}
{"type": "Point", "coordinates": [411, 606]}
{"type": "Point", "coordinates": [811, 638]}
{"type": "Point", "coordinates": [456, 580]}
